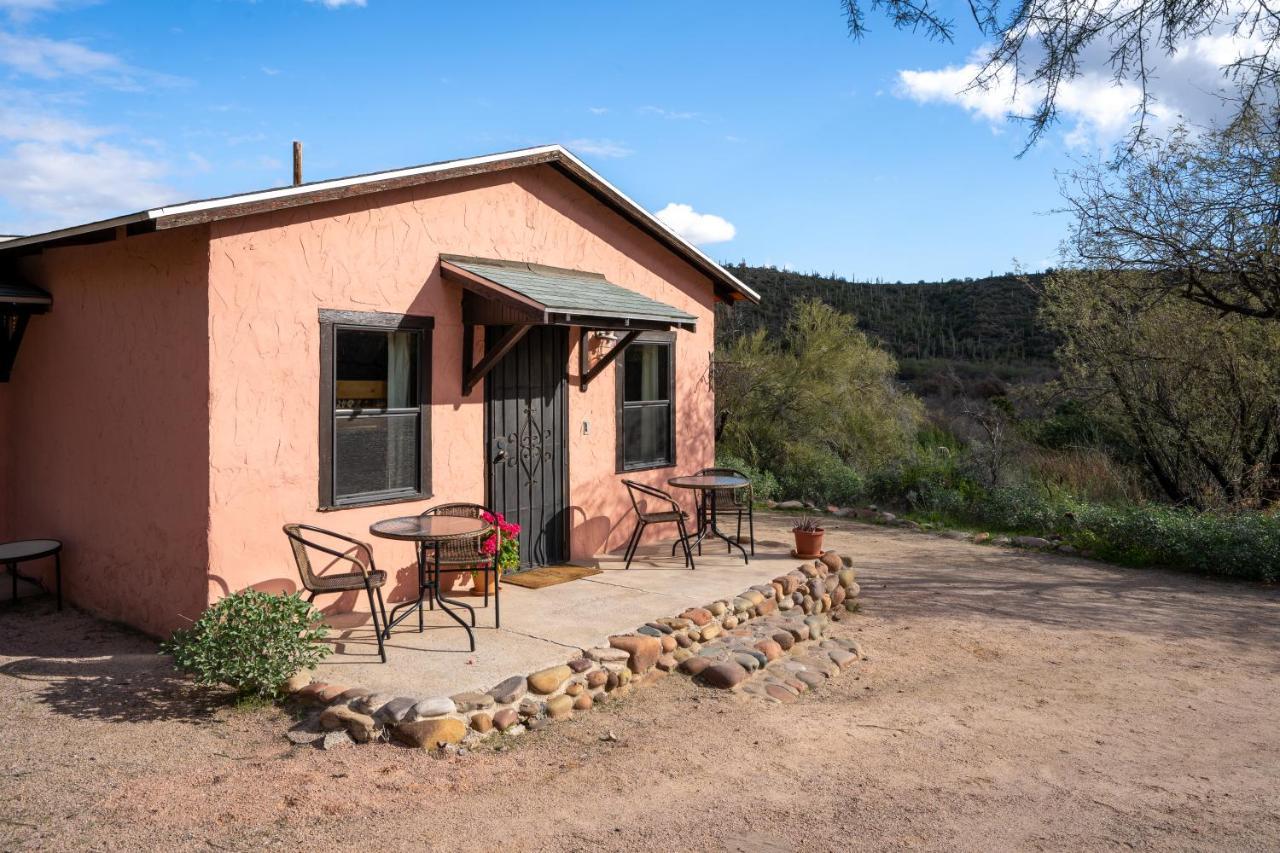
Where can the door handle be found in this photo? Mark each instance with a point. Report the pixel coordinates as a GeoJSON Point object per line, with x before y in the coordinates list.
{"type": "Point", "coordinates": [499, 450]}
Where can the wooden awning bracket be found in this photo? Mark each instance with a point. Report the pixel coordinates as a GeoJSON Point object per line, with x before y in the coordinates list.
{"type": "Point", "coordinates": [588, 371]}
{"type": "Point", "coordinates": [493, 353]}
{"type": "Point", "coordinates": [12, 327]}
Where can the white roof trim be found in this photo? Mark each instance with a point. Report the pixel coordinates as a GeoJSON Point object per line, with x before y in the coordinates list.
{"type": "Point", "coordinates": [337, 183]}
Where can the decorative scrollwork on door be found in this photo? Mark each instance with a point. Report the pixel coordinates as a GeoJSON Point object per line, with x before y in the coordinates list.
{"type": "Point", "coordinates": [531, 443]}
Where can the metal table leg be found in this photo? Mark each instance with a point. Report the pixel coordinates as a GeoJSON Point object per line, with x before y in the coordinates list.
{"type": "Point", "coordinates": [713, 529]}
{"type": "Point", "coordinates": [445, 602]}
{"type": "Point", "coordinates": [407, 606]}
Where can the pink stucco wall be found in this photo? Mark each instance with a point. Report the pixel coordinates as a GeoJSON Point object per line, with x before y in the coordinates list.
{"type": "Point", "coordinates": [162, 420]}
{"type": "Point", "coordinates": [270, 273]}
{"type": "Point", "coordinates": [105, 425]}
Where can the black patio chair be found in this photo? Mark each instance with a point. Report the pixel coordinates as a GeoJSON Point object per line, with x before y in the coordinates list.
{"type": "Point", "coordinates": [739, 502]}
{"type": "Point", "coordinates": [465, 555]}
{"type": "Point", "coordinates": [303, 537]}
{"type": "Point", "coordinates": [672, 513]}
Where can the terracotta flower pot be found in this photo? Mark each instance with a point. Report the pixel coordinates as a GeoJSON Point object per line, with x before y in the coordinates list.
{"type": "Point", "coordinates": [483, 583]}
{"type": "Point", "coordinates": [809, 544]}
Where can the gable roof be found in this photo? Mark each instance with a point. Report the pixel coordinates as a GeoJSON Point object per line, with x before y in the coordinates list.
{"type": "Point", "coordinates": [728, 287]}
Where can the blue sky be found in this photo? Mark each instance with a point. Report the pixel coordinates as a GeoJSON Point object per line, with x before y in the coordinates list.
{"type": "Point", "coordinates": [819, 152]}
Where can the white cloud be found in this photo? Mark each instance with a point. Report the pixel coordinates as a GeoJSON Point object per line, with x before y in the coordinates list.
{"type": "Point", "coordinates": [671, 114]}
{"type": "Point", "coordinates": [1095, 108]}
{"type": "Point", "coordinates": [56, 171]}
{"type": "Point", "coordinates": [697, 228]}
{"type": "Point", "coordinates": [338, 4]}
{"type": "Point", "coordinates": [601, 148]}
{"type": "Point", "coordinates": [598, 111]}
{"type": "Point", "coordinates": [23, 9]}
{"type": "Point", "coordinates": [49, 59]}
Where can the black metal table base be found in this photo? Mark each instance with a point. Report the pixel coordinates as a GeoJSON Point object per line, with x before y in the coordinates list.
{"type": "Point", "coordinates": [707, 527]}
{"type": "Point", "coordinates": [429, 592]}
{"type": "Point", "coordinates": [12, 566]}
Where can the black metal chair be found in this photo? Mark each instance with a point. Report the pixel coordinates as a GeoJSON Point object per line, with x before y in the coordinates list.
{"type": "Point", "coordinates": [672, 513]}
{"type": "Point", "coordinates": [465, 555]}
{"type": "Point", "coordinates": [739, 502]}
{"type": "Point", "coordinates": [366, 576]}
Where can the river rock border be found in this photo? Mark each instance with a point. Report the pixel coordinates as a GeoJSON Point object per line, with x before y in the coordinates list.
{"type": "Point", "coordinates": [754, 642]}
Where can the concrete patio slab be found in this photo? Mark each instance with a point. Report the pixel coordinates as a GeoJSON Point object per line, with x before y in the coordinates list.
{"type": "Point", "coordinates": [545, 627]}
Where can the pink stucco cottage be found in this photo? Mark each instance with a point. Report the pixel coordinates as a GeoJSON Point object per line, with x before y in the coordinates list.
{"type": "Point", "coordinates": [182, 381]}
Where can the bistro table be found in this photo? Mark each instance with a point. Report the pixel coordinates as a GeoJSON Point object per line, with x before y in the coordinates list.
{"type": "Point", "coordinates": [13, 553]}
{"type": "Point", "coordinates": [429, 532]}
{"type": "Point", "coordinates": [709, 485]}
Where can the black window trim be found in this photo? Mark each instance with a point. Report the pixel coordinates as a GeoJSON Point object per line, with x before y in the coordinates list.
{"type": "Point", "coordinates": [619, 381]}
{"type": "Point", "coordinates": [330, 322]}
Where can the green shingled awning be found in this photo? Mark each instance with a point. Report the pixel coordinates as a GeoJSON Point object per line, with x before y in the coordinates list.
{"type": "Point", "coordinates": [516, 292]}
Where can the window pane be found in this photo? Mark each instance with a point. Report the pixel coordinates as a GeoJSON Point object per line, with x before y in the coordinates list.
{"type": "Point", "coordinates": [375, 369]}
{"type": "Point", "coordinates": [646, 434]}
{"type": "Point", "coordinates": [645, 372]}
{"type": "Point", "coordinates": [375, 453]}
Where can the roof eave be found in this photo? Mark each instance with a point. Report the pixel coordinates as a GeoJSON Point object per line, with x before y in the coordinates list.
{"type": "Point", "coordinates": [729, 286]}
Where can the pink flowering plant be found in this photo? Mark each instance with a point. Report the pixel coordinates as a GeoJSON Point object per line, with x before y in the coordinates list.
{"type": "Point", "coordinates": [508, 554]}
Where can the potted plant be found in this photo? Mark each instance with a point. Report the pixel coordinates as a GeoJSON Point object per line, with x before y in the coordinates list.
{"type": "Point", "coordinates": [503, 546]}
{"type": "Point", "coordinates": [808, 535]}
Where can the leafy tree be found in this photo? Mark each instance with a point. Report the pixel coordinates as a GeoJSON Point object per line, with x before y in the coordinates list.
{"type": "Point", "coordinates": [1194, 391]}
{"type": "Point", "coordinates": [1198, 213]}
{"type": "Point", "coordinates": [812, 403]}
{"type": "Point", "coordinates": [1045, 43]}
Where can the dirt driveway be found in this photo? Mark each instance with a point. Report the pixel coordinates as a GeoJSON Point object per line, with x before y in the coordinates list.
{"type": "Point", "coordinates": [1013, 700]}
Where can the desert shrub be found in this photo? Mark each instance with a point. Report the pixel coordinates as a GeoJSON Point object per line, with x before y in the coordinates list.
{"type": "Point", "coordinates": [818, 475]}
{"type": "Point", "coordinates": [1085, 472]}
{"type": "Point", "coordinates": [1241, 545]}
{"type": "Point", "coordinates": [764, 484]}
{"type": "Point", "coordinates": [250, 641]}
{"type": "Point", "coordinates": [1024, 508]}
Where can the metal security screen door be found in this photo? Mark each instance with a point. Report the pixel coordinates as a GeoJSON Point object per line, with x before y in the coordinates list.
{"type": "Point", "coordinates": [526, 428]}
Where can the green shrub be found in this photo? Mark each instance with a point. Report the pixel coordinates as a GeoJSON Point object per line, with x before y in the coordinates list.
{"type": "Point", "coordinates": [250, 641]}
{"type": "Point", "coordinates": [812, 473]}
{"type": "Point", "coordinates": [764, 485]}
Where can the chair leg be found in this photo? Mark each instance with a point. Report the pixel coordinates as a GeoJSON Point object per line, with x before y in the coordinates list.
{"type": "Point", "coordinates": [635, 541]}
{"type": "Point", "coordinates": [684, 538]}
{"type": "Point", "coordinates": [373, 615]}
{"type": "Point", "coordinates": [751, 528]}
{"type": "Point", "coordinates": [497, 596]}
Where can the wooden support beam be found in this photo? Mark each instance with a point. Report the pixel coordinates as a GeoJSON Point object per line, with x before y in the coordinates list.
{"type": "Point", "coordinates": [493, 353]}
{"type": "Point", "coordinates": [587, 374]}
{"type": "Point", "coordinates": [10, 339]}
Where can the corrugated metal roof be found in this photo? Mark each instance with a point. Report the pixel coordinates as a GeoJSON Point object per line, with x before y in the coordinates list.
{"type": "Point", "coordinates": [574, 292]}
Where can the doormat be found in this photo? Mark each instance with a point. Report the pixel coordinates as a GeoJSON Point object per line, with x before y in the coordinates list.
{"type": "Point", "coordinates": [549, 576]}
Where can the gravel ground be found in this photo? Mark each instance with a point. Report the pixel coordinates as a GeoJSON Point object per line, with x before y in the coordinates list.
{"type": "Point", "coordinates": [1012, 700]}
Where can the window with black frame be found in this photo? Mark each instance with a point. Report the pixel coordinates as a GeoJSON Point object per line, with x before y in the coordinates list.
{"type": "Point", "coordinates": [646, 415]}
{"type": "Point", "coordinates": [378, 398]}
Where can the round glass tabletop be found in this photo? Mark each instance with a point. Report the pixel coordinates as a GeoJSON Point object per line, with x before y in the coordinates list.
{"type": "Point", "coordinates": [428, 528]}
{"type": "Point", "coordinates": [709, 481]}
{"type": "Point", "coordinates": [28, 549]}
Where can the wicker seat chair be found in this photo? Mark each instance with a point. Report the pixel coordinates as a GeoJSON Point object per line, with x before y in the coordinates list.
{"type": "Point", "coordinates": [670, 513]}
{"type": "Point", "coordinates": [465, 554]}
{"type": "Point", "coordinates": [304, 538]}
{"type": "Point", "coordinates": [737, 502]}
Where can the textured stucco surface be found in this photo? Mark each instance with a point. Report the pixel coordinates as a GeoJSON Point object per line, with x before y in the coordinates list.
{"type": "Point", "coordinates": [163, 420]}
{"type": "Point", "coordinates": [106, 425]}
{"type": "Point", "coordinates": [270, 273]}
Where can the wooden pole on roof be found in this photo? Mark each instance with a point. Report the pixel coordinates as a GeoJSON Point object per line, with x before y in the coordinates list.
{"type": "Point", "coordinates": [297, 163]}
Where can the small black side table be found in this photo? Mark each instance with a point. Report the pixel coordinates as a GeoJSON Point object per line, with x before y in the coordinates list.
{"type": "Point", "coordinates": [12, 553]}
